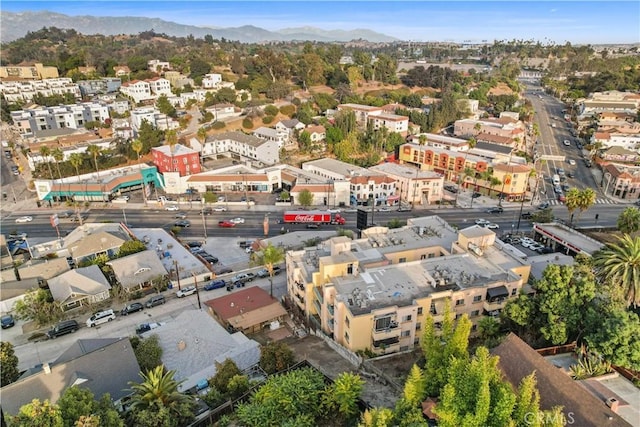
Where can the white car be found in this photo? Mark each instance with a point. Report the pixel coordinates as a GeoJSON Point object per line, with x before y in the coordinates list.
{"type": "Point", "coordinates": [527, 242]}
{"type": "Point", "coordinates": [492, 226]}
{"type": "Point", "coordinates": [23, 219]}
{"type": "Point", "coordinates": [219, 209]}
{"type": "Point", "coordinates": [333, 210]}
{"type": "Point", "coordinates": [186, 291]}
{"type": "Point", "coordinates": [172, 208]}
{"type": "Point", "coordinates": [572, 162]}
{"type": "Point", "coordinates": [482, 222]}
{"type": "Point", "coordinates": [567, 142]}
{"type": "Point", "coordinates": [237, 220]}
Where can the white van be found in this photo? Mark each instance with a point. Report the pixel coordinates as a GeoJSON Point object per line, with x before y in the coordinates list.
{"type": "Point", "coordinates": [556, 179]}
{"type": "Point", "coordinates": [101, 317]}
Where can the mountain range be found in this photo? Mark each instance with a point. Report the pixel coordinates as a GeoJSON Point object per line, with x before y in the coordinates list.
{"type": "Point", "coordinates": [16, 25]}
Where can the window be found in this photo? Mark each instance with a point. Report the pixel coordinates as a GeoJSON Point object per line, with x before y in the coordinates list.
{"type": "Point", "coordinates": [418, 326]}
{"type": "Point", "coordinates": [477, 298]}
{"type": "Point", "coordinates": [383, 323]}
{"type": "Point", "coordinates": [459, 302]}
{"type": "Point", "coordinates": [349, 268]}
{"type": "Point", "coordinates": [475, 313]}
{"type": "Point", "coordinates": [514, 291]}
{"type": "Point", "coordinates": [406, 333]}
{"type": "Point", "coordinates": [423, 256]}
{"type": "Point", "coordinates": [419, 311]}
{"type": "Point", "coordinates": [432, 310]}
{"type": "Point", "coordinates": [401, 260]}
{"type": "Point", "coordinates": [474, 328]}
{"type": "Point", "coordinates": [346, 336]}
{"type": "Point", "coordinates": [406, 318]}
{"type": "Point", "coordinates": [431, 255]}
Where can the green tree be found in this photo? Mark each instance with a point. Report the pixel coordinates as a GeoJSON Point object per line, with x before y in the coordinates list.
{"type": "Point", "coordinates": [305, 198]}
{"type": "Point", "coordinates": [377, 417]}
{"type": "Point", "coordinates": [271, 110]}
{"type": "Point", "coordinates": [343, 395]}
{"type": "Point", "coordinates": [157, 391]}
{"type": "Point", "coordinates": [78, 402]}
{"type": "Point", "coordinates": [171, 138]}
{"type": "Point", "coordinates": [131, 247]}
{"type": "Point", "coordinates": [165, 107]}
{"type": "Point", "coordinates": [149, 136]}
{"type": "Point", "coordinates": [45, 152]}
{"type": "Point", "coordinates": [408, 410]}
{"type": "Point", "coordinates": [629, 220]}
{"type": "Point", "coordinates": [276, 356]}
{"type": "Point", "coordinates": [76, 161]}
{"type": "Point", "coordinates": [439, 349]}
{"type": "Point", "coordinates": [586, 200]}
{"type": "Point", "coordinates": [58, 156]}
{"type": "Point", "coordinates": [38, 414]}
{"type": "Point", "coordinates": [225, 95]}
{"type": "Point", "coordinates": [224, 372]}
{"type": "Point", "coordinates": [474, 394]}
{"type": "Point", "coordinates": [616, 337]}
{"type": "Point", "coordinates": [202, 135]}
{"type": "Point", "coordinates": [618, 264]}
{"type": "Point", "coordinates": [527, 402]}
{"type": "Point", "coordinates": [38, 305]}
{"type": "Point", "coordinates": [137, 146]}
{"type": "Point", "coordinates": [304, 141]}
{"type": "Point", "coordinates": [238, 385]}
{"type": "Point", "coordinates": [269, 257]}
{"type": "Point", "coordinates": [8, 364]}
{"type": "Point", "coordinates": [148, 353]}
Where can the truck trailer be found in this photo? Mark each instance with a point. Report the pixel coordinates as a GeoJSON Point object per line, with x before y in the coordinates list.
{"type": "Point", "coordinates": [312, 217]}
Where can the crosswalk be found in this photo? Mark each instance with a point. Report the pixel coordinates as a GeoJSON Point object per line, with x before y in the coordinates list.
{"type": "Point", "coordinates": [597, 202]}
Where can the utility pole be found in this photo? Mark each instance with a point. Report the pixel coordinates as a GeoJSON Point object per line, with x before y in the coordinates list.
{"type": "Point", "coordinates": [175, 265]}
{"type": "Point", "coordinates": [204, 223]}
{"type": "Point", "coordinates": [195, 282]}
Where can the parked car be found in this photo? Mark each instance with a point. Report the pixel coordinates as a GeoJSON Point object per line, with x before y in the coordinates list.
{"type": "Point", "coordinates": [451, 188]}
{"type": "Point", "coordinates": [24, 219]}
{"type": "Point", "coordinates": [184, 223]}
{"type": "Point", "coordinates": [572, 162]}
{"type": "Point", "coordinates": [475, 195]}
{"type": "Point", "coordinates": [570, 175]}
{"type": "Point", "coordinates": [7, 321]}
{"type": "Point", "coordinates": [155, 300]}
{"type": "Point", "coordinates": [100, 317]}
{"type": "Point", "coordinates": [207, 211]}
{"type": "Point", "coordinates": [492, 226]}
{"type": "Point", "coordinates": [63, 328]}
{"type": "Point", "coordinates": [265, 273]}
{"type": "Point", "coordinates": [562, 198]}
{"type": "Point", "coordinates": [566, 142]}
{"type": "Point", "coordinates": [497, 210]}
{"type": "Point", "coordinates": [194, 244]}
{"type": "Point", "coordinates": [545, 250]}
{"type": "Point", "coordinates": [224, 270]}
{"type": "Point", "coordinates": [172, 208]}
{"type": "Point", "coordinates": [565, 187]}
{"type": "Point", "coordinates": [404, 209]}
{"type": "Point", "coordinates": [226, 224]}
{"type": "Point", "coordinates": [215, 284]}
{"type": "Point", "coordinates": [242, 278]}
{"type": "Point", "coordinates": [209, 258]}
{"type": "Point", "coordinates": [145, 327]}
{"type": "Point", "coordinates": [131, 308]}
{"type": "Point", "coordinates": [186, 291]}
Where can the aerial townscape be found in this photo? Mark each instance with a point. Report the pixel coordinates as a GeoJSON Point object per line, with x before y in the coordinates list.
{"type": "Point", "coordinates": [315, 227]}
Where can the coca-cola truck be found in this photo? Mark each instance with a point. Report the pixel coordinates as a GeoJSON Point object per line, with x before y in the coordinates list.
{"type": "Point", "coordinates": [312, 217]}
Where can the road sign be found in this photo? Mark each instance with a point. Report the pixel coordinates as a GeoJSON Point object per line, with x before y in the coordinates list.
{"type": "Point", "coordinates": [55, 221]}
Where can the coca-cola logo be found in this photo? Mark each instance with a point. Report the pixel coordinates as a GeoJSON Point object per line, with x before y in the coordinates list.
{"type": "Point", "coordinates": [304, 218]}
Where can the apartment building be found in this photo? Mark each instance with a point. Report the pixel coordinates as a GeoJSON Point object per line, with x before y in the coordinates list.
{"type": "Point", "coordinates": [622, 181]}
{"type": "Point", "coordinates": [504, 126]}
{"type": "Point", "coordinates": [440, 141]}
{"type": "Point", "coordinates": [177, 159]}
{"type": "Point", "coordinates": [270, 134]}
{"type": "Point", "coordinates": [159, 86]}
{"type": "Point", "coordinates": [362, 112]}
{"type": "Point", "coordinates": [157, 66]}
{"type": "Point", "coordinates": [177, 79]}
{"type": "Point", "coordinates": [374, 293]}
{"type": "Point", "coordinates": [511, 179]}
{"type": "Point", "coordinates": [615, 139]}
{"type": "Point", "coordinates": [31, 120]}
{"type": "Point", "coordinates": [211, 81]}
{"type": "Point", "coordinates": [240, 145]}
{"type": "Point", "coordinates": [20, 91]}
{"type": "Point", "coordinates": [412, 185]}
{"type": "Point", "coordinates": [392, 122]}
{"type": "Point", "coordinates": [90, 88]}
{"type": "Point", "coordinates": [29, 72]}
{"type": "Point", "coordinates": [154, 117]}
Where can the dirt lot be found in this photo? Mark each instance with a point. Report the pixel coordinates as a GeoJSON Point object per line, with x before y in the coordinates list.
{"type": "Point", "coordinates": [377, 393]}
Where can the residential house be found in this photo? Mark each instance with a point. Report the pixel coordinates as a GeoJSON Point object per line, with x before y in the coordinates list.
{"type": "Point", "coordinates": [121, 71]}
{"type": "Point", "coordinates": [91, 242]}
{"type": "Point", "coordinates": [270, 134]}
{"type": "Point", "coordinates": [221, 111]}
{"type": "Point", "coordinates": [80, 287]}
{"type": "Point", "coordinates": [178, 158]}
{"type": "Point", "coordinates": [73, 116]}
{"type": "Point", "coordinates": [21, 91]}
{"type": "Point", "coordinates": [374, 293]}
{"type": "Point", "coordinates": [240, 144]}
{"type": "Point", "coordinates": [288, 129]}
{"type": "Point", "coordinates": [90, 88]}
{"type": "Point", "coordinates": [212, 81]}
{"type": "Point", "coordinates": [317, 133]}
{"type": "Point", "coordinates": [249, 310]}
{"type": "Point", "coordinates": [412, 185]}
{"type": "Point", "coordinates": [137, 90]}
{"type": "Point", "coordinates": [194, 333]}
{"type": "Point", "coordinates": [154, 117]}
{"type": "Point", "coordinates": [159, 86]}
{"type": "Point", "coordinates": [178, 80]}
{"type": "Point", "coordinates": [619, 155]}
{"type": "Point", "coordinates": [138, 271]}
{"type": "Point", "coordinates": [157, 66]}
{"type": "Point", "coordinates": [504, 126]}
{"type": "Point", "coordinates": [616, 139]}
{"type": "Point", "coordinates": [362, 112]}
{"type": "Point", "coordinates": [557, 389]}
{"type": "Point", "coordinates": [101, 365]}
{"type": "Point", "coordinates": [392, 122]}
{"type": "Point", "coordinates": [621, 181]}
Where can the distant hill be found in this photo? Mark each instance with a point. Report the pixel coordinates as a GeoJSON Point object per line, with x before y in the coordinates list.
{"type": "Point", "coordinates": [16, 25]}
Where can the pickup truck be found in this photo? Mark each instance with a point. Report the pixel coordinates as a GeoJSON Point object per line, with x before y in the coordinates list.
{"type": "Point", "coordinates": [265, 273]}
{"type": "Point", "coordinates": [241, 278]}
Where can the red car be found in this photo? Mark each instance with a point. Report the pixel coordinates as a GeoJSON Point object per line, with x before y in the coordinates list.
{"type": "Point", "coordinates": [226, 224]}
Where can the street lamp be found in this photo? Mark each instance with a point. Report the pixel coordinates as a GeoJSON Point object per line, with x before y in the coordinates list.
{"type": "Point", "coordinates": [204, 223]}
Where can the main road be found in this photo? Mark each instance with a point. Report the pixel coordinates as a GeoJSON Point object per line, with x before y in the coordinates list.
{"type": "Point", "coordinates": [41, 228]}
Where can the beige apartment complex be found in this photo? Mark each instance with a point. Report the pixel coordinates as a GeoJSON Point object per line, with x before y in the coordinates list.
{"type": "Point", "coordinates": [375, 292]}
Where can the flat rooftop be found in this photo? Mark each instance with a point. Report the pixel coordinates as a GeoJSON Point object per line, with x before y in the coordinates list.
{"type": "Point", "coordinates": [401, 284]}
{"type": "Point", "coordinates": [569, 237]}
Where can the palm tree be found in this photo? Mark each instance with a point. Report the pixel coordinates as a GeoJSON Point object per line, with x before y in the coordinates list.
{"type": "Point", "coordinates": [572, 200]}
{"type": "Point", "coordinates": [172, 138]}
{"type": "Point", "coordinates": [157, 390]}
{"type": "Point", "coordinates": [466, 173]}
{"type": "Point", "coordinates": [629, 220]}
{"type": "Point", "coordinates": [95, 151]}
{"type": "Point", "coordinates": [618, 264]}
{"type": "Point", "coordinates": [58, 156]}
{"type": "Point", "coordinates": [586, 200]}
{"type": "Point", "coordinates": [77, 160]}
{"type": "Point", "coordinates": [202, 135]}
{"type": "Point", "coordinates": [269, 257]}
{"type": "Point", "coordinates": [45, 152]}
{"type": "Point", "coordinates": [137, 145]}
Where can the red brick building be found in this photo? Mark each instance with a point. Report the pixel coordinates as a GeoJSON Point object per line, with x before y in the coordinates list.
{"type": "Point", "coordinates": [181, 159]}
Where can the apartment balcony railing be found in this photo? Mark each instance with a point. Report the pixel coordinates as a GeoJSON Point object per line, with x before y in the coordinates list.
{"type": "Point", "coordinates": [495, 305]}
{"type": "Point", "coordinates": [388, 333]}
{"type": "Point", "coordinates": [331, 309]}
{"type": "Point", "coordinates": [318, 294]}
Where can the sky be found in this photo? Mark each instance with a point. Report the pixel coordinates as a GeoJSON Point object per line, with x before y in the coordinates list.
{"type": "Point", "coordinates": [578, 22]}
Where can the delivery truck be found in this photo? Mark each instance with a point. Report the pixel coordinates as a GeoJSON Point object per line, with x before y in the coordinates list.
{"type": "Point", "coordinates": [312, 217]}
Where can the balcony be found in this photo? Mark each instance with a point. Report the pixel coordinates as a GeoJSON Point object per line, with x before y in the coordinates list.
{"type": "Point", "coordinates": [494, 305]}
{"type": "Point", "coordinates": [386, 346]}
{"type": "Point", "coordinates": [318, 294]}
{"type": "Point", "coordinates": [317, 306]}
{"type": "Point", "coordinates": [392, 332]}
{"type": "Point", "coordinates": [330, 323]}
{"type": "Point", "coordinates": [331, 309]}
